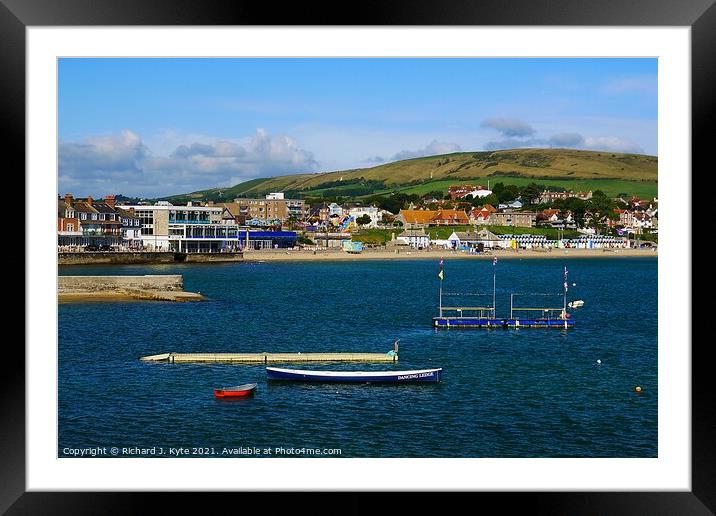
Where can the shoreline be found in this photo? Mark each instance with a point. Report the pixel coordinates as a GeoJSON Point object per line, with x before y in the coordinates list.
{"type": "Point", "coordinates": [116, 295]}
{"type": "Point", "coordinates": [339, 255]}
{"type": "Point", "coordinates": [154, 287]}
{"type": "Point", "coordinates": [287, 255]}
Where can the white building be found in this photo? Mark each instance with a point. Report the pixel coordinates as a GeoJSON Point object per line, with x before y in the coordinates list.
{"type": "Point", "coordinates": [185, 228]}
{"type": "Point", "coordinates": [487, 238]}
{"type": "Point", "coordinates": [275, 196]}
{"type": "Point", "coordinates": [445, 244]}
{"type": "Point", "coordinates": [463, 239]}
{"type": "Point", "coordinates": [416, 238]}
{"type": "Point", "coordinates": [373, 212]}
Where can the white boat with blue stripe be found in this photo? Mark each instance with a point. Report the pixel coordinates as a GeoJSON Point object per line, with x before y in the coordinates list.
{"type": "Point", "coordinates": [303, 375]}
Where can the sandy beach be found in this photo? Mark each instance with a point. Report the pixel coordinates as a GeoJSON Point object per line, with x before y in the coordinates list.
{"type": "Point", "coordinates": [436, 254]}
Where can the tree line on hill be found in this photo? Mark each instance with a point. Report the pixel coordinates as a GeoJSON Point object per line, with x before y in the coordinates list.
{"type": "Point", "coordinates": [501, 194]}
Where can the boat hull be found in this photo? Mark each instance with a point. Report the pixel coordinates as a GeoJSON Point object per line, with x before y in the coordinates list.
{"type": "Point", "coordinates": [242, 391]}
{"type": "Point", "coordinates": [416, 376]}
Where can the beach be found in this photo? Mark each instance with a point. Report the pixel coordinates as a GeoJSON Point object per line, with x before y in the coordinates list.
{"type": "Point", "coordinates": [436, 254]}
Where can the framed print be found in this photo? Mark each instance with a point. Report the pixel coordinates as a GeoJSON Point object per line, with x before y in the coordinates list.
{"type": "Point", "coordinates": [411, 250]}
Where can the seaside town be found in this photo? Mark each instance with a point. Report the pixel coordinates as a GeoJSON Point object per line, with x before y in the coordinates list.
{"type": "Point", "coordinates": [258, 250]}
{"type": "Point", "coordinates": [468, 218]}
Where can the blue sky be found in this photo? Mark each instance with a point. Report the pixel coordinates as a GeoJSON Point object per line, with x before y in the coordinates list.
{"type": "Point", "coordinates": [154, 127]}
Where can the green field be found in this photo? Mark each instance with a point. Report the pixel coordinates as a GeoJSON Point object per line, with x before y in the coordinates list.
{"type": "Point", "coordinates": [218, 194]}
{"type": "Point", "coordinates": [550, 233]}
{"type": "Point", "coordinates": [375, 236]}
{"type": "Point", "coordinates": [443, 232]}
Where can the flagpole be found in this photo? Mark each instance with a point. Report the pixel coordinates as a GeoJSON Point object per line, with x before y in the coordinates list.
{"type": "Point", "coordinates": [493, 289]}
{"type": "Point", "coordinates": [564, 309]}
{"type": "Point", "coordinates": [440, 275]}
{"type": "Point", "coordinates": [441, 298]}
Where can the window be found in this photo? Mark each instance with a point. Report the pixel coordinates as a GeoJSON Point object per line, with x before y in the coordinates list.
{"type": "Point", "coordinates": [145, 217]}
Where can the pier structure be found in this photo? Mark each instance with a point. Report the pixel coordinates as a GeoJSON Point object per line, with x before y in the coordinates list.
{"type": "Point", "coordinates": [481, 310]}
{"type": "Point", "coordinates": [265, 358]}
{"type": "Point", "coordinates": [485, 316]}
{"type": "Point", "coordinates": [520, 317]}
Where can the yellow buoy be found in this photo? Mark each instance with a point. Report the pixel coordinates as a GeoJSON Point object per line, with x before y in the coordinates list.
{"type": "Point", "coordinates": [637, 389]}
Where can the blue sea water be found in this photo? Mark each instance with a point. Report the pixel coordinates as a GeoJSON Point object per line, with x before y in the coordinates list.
{"type": "Point", "coordinates": [505, 393]}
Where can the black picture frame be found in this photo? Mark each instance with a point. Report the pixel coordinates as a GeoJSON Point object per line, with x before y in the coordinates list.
{"type": "Point", "coordinates": [700, 15]}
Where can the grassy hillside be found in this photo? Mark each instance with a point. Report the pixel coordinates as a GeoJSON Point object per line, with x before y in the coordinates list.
{"type": "Point", "coordinates": [560, 166]}
{"type": "Point", "coordinates": [227, 193]}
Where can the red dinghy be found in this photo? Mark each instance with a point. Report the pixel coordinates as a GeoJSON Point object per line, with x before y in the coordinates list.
{"type": "Point", "coordinates": [240, 391]}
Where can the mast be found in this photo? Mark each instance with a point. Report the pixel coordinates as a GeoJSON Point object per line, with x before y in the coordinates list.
{"type": "Point", "coordinates": [494, 283]}
{"type": "Point", "coordinates": [440, 301]}
{"type": "Point", "coordinates": [564, 308]}
{"type": "Point", "coordinates": [441, 275]}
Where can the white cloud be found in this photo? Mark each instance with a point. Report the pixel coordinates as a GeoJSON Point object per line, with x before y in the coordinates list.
{"type": "Point", "coordinates": [432, 149]}
{"type": "Point", "coordinates": [513, 143]}
{"type": "Point", "coordinates": [133, 170]}
{"type": "Point", "coordinates": [569, 140]}
{"type": "Point", "coordinates": [566, 140]}
{"type": "Point", "coordinates": [611, 143]}
{"type": "Point", "coordinates": [97, 155]}
{"type": "Point", "coordinates": [509, 126]}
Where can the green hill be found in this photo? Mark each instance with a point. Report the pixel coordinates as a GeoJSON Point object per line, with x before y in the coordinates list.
{"type": "Point", "coordinates": [559, 166]}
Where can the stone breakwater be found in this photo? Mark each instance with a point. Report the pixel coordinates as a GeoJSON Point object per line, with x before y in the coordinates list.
{"type": "Point", "coordinates": [168, 287]}
{"type": "Point", "coordinates": [141, 257]}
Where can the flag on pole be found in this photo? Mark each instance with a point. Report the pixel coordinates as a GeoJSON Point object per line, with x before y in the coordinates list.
{"type": "Point", "coordinates": [494, 260]}
{"type": "Point", "coordinates": [441, 274]}
{"type": "Point", "coordinates": [566, 287]}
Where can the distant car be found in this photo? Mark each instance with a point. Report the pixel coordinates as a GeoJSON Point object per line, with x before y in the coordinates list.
{"type": "Point", "coordinates": [105, 247]}
{"type": "Point", "coordinates": [91, 247]}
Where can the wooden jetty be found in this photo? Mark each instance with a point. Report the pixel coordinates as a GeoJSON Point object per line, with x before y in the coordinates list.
{"type": "Point", "coordinates": [265, 358]}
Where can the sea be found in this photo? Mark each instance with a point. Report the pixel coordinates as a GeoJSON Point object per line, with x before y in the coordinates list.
{"type": "Point", "coordinates": [504, 392]}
